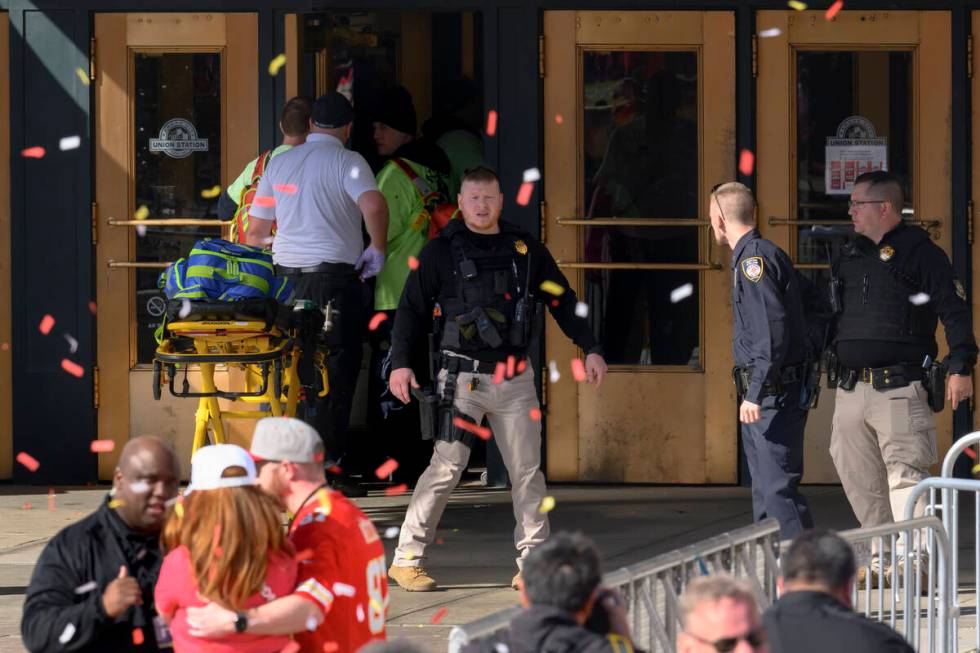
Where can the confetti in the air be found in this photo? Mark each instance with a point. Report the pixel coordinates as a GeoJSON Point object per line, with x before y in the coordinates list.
{"type": "Point", "coordinates": [343, 589]}
{"type": "Point", "coordinates": [69, 143]}
{"type": "Point", "coordinates": [28, 461]}
{"type": "Point", "coordinates": [311, 624]}
{"type": "Point", "coordinates": [976, 470]}
{"type": "Point", "coordinates": [264, 200]}
{"type": "Point", "coordinates": [137, 636]}
{"type": "Point", "coordinates": [47, 323]}
{"type": "Point", "coordinates": [524, 194]}
{"type": "Point", "coordinates": [355, 172]}
{"type": "Point", "coordinates": [578, 369]}
{"type": "Point", "coordinates": [276, 64]}
{"type": "Point", "coordinates": [521, 366]}
{"type": "Point", "coordinates": [770, 33]}
{"type": "Point", "coordinates": [439, 615]}
{"type": "Point", "coordinates": [413, 263]}
{"type": "Point", "coordinates": [360, 613]}
{"type": "Point", "coordinates": [103, 446]}
{"type": "Point", "coordinates": [142, 212]}
{"type": "Point", "coordinates": [553, 373]}
{"type": "Point", "coordinates": [386, 469]}
{"type": "Point", "coordinates": [211, 193]}
{"type": "Point", "coordinates": [115, 503]}
{"type": "Point", "coordinates": [87, 587]}
{"type": "Point", "coordinates": [746, 162]}
{"type": "Point", "coordinates": [547, 505]}
{"type": "Point", "coordinates": [391, 532]}
{"type": "Point", "coordinates": [535, 414]}
{"type": "Point", "coordinates": [185, 309]}
{"type": "Point", "coordinates": [481, 432]}
{"type": "Point", "coordinates": [499, 372]}
{"type": "Point", "coordinates": [682, 292]}
{"type": "Point", "coordinates": [36, 152]}
{"type": "Point", "coordinates": [67, 634]}
{"type": "Point", "coordinates": [27, 506]}
{"type": "Point", "coordinates": [72, 368]}
{"type": "Point", "coordinates": [291, 647]}
{"type": "Point", "coordinates": [532, 175]}
{"type": "Point", "coordinates": [92, 307]}
{"type": "Point", "coordinates": [918, 299]}
{"type": "Point", "coordinates": [552, 288]}
{"type": "Point", "coordinates": [511, 366]}
{"type": "Point", "coordinates": [377, 320]}
{"type": "Point", "coordinates": [72, 343]}
{"type": "Point", "coordinates": [289, 189]}
{"type": "Point", "coordinates": [558, 119]}
{"type": "Point", "coordinates": [500, 647]}
{"type": "Point", "coordinates": [833, 9]}
{"type": "Point", "coordinates": [82, 75]}
{"type": "Point", "coordinates": [581, 309]}
{"type": "Point", "coordinates": [970, 452]}
{"type": "Point", "coordinates": [797, 5]}
{"type": "Point", "coordinates": [396, 490]}
{"type": "Point", "coordinates": [179, 510]}
{"type": "Point", "coordinates": [332, 647]}
{"type": "Point", "coordinates": [491, 122]}
{"type": "Point", "coordinates": [51, 501]}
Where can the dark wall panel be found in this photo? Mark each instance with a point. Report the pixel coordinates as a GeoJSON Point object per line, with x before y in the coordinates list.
{"type": "Point", "coordinates": [54, 418]}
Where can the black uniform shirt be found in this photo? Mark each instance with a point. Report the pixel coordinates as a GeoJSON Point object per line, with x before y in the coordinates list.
{"type": "Point", "coordinates": [770, 330]}
{"type": "Point", "coordinates": [437, 270]}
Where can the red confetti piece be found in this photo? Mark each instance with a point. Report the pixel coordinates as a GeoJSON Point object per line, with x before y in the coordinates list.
{"type": "Point", "coordinates": [439, 615]}
{"type": "Point", "coordinates": [27, 506]}
{"type": "Point", "coordinates": [137, 636]}
{"type": "Point", "coordinates": [72, 368]}
{"type": "Point", "coordinates": [36, 152]}
{"type": "Point", "coordinates": [833, 9]}
{"type": "Point", "coordinates": [498, 373]}
{"type": "Point", "coordinates": [970, 452]}
{"type": "Point", "coordinates": [439, 540]}
{"type": "Point", "coordinates": [335, 469]}
{"type": "Point", "coordinates": [289, 189]}
{"type": "Point", "coordinates": [578, 369]}
{"type": "Point", "coordinates": [291, 647]}
{"type": "Point", "coordinates": [92, 306]}
{"type": "Point", "coordinates": [376, 321]}
{"type": "Point", "coordinates": [386, 469]}
{"type": "Point", "coordinates": [28, 461]}
{"type": "Point", "coordinates": [305, 554]}
{"type": "Point", "coordinates": [524, 194]}
{"type": "Point", "coordinates": [331, 647]}
{"type": "Point", "coordinates": [481, 432]}
{"type": "Point", "coordinates": [102, 446]}
{"type": "Point", "coordinates": [521, 366]}
{"type": "Point", "coordinates": [47, 323]}
{"type": "Point", "coordinates": [511, 366]}
{"type": "Point", "coordinates": [264, 200]}
{"type": "Point", "coordinates": [5, 346]}
{"type": "Point", "coordinates": [554, 302]}
{"type": "Point", "coordinates": [535, 414]}
{"type": "Point", "coordinates": [558, 119]}
{"type": "Point", "coordinates": [318, 457]}
{"type": "Point", "coordinates": [746, 162]}
{"type": "Point", "coordinates": [51, 505]}
{"type": "Point", "coordinates": [413, 263]}
{"type": "Point", "coordinates": [491, 122]}
{"type": "Point", "coordinates": [396, 490]}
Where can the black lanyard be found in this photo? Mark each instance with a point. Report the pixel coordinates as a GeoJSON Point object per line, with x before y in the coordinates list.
{"type": "Point", "coordinates": [289, 527]}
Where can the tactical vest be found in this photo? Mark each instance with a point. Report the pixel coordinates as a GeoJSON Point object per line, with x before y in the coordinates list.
{"type": "Point", "coordinates": [490, 305]}
{"type": "Point", "coordinates": [876, 287]}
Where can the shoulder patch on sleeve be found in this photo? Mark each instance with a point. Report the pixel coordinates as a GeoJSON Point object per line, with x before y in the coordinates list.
{"type": "Point", "coordinates": [752, 268]}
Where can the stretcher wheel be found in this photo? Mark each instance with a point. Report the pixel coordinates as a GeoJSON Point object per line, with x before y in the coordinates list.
{"type": "Point", "coordinates": [157, 389]}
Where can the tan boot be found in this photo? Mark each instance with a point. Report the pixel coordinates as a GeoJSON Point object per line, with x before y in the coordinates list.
{"type": "Point", "coordinates": [514, 581]}
{"type": "Point", "coordinates": [412, 579]}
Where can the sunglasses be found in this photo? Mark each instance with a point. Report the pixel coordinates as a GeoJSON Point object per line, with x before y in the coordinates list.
{"type": "Point", "coordinates": [754, 638]}
{"type": "Point", "coordinates": [852, 203]}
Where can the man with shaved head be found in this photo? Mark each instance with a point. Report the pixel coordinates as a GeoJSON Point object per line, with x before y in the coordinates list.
{"type": "Point", "coordinates": [92, 588]}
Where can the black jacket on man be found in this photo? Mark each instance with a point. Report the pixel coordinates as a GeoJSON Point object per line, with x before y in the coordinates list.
{"type": "Point", "coordinates": [544, 629]}
{"type": "Point", "coordinates": [59, 602]}
{"type": "Point", "coordinates": [816, 622]}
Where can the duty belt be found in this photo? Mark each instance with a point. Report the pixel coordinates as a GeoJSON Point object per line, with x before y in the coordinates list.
{"type": "Point", "coordinates": [882, 378]}
{"type": "Point", "coordinates": [345, 268]}
{"type": "Point", "coordinates": [787, 375]}
{"type": "Point", "coordinates": [477, 366]}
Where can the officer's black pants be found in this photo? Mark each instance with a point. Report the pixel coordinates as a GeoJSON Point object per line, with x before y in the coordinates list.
{"type": "Point", "coordinates": [774, 451]}
{"type": "Point", "coordinates": [332, 413]}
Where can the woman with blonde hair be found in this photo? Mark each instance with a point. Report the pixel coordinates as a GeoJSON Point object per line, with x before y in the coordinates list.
{"type": "Point", "coordinates": [225, 543]}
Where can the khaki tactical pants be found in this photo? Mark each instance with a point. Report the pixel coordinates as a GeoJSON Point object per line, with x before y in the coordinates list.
{"type": "Point", "coordinates": [507, 407]}
{"type": "Point", "coordinates": [882, 443]}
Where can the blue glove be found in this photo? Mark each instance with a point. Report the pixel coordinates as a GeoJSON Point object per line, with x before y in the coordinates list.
{"type": "Point", "coordinates": [370, 262]}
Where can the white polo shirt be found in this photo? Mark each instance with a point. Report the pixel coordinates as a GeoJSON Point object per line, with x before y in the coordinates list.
{"type": "Point", "coordinates": [319, 221]}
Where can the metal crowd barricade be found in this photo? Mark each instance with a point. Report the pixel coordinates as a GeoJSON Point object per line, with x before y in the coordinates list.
{"type": "Point", "coordinates": [652, 588]}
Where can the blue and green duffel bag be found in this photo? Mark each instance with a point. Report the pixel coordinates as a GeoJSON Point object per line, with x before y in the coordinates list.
{"type": "Point", "coordinates": [219, 270]}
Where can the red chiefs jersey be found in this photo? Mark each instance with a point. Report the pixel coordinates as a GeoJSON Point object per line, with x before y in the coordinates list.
{"type": "Point", "coordinates": [341, 569]}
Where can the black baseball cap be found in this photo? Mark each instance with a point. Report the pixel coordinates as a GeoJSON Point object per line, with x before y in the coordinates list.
{"type": "Point", "coordinates": [332, 111]}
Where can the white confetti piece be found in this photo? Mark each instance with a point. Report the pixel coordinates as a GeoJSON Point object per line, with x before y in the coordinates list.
{"type": "Point", "coordinates": [185, 309]}
{"type": "Point", "coordinates": [69, 143]}
{"type": "Point", "coordinates": [683, 292]}
{"type": "Point", "coordinates": [500, 647]}
{"type": "Point", "coordinates": [86, 588]}
{"type": "Point", "coordinates": [531, 175]}
{"type": "Point", "coordinates": [553, 373]}
{"type": "Point", "coordinates": [343, 589]}
{"type": "Point", "coordinates": [139, 487]}
{"type": "Point", "coordinates": [72, 343]}
{"type": "Point", "coordinates": [355, 172]}
{"type": "Point", "coordinates": [769, 33]}
{"type": "Point", "coordinates": [141, 230]}
{"type": "Point", "coordinates": [391, 532]}
{"type": "Point", "coordinates": [918, 299]}
{"type": "Point", "coordinates": [582, 309]}
{"type": "Point", "coordinates": [360, 613]}
{"type": "Point", "coordinates": [311, 624]}
{"type": "Point", "coordinates": [67, 634]}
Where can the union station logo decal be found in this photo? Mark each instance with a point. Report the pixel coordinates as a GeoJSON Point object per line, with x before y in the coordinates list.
{"type": "Point", "coordinates": [178, 139]}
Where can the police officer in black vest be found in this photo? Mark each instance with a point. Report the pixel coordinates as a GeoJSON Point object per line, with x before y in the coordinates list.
{"type": "Point", "coordinates": [771, 357]}
{"type": "Point", "coordinates": [892, 282]}
{"type": "Point", "coordinates": [479, 282]}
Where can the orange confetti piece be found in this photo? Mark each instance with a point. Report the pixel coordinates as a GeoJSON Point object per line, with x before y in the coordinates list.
{"type": "Point", "coordinates": [5, 346]}
{"type": "Point", "coordinates": [833, 9]}
{"type": "Point", "coordinates": [102, 446]}
{"type": "Point", "coordinates": [47, 323]}
{"type": "Point", "coordinates": [481, 432]}
{"type": "Point", "coordinates": [498, 373]}
{"type": "Point", "coordinates": [289, 189]}
{"type": "Point", "coordinates": [319, 457]}
{"type": "Point", "coordinates": [746, 162]}
{"type": "Point", "coordinates": [92, 307]}
{"type": "Point", "coordinates": [439, 615]}
{"type": "Point", "coordinates": [396, 490]}
{"type": "Point", "coordinates": [331, 647]}
{"type": "Point", "coordinates": [36, 152]}
{"type": "Point", "coordinates": [72, 368]}
{"type": "Point", "coordinates": [291, 647]}
{"type": "Point", "coordinates": [305, 554]}
{"type": "Point", "coordinates": [491, 122]}
{"type": "Point", "coordinates": [413, 263]}
{"type": "Point", "coordinates": [137, 636]}
{"type": "Point", "coordinates": [970, 452]}
{"type": "Point", "coordinates": [51, 505]}
{"type": "Point", "coordinates": [28, 461]}
{"type": "Point", "coordinates": [335, 469]}
{"type": "Point", "coordinates": [377, 320]}
{"type": "Point", "coordinates": [578, 369]}
{"type": "Point", "coordinates": [558, 119]}
{"type": "Point", "coordinates": [524, 194]}
{"type": "Point", "coordinates": [535, 414]}
{"type": "Point", "coordinates": [511, 366]}
{"type": "Point", "coordinates": [521, 366]}
{"type": "Point", "coordinates": [264, 200]}
{"type": "Point", "coordinates": [386, 469]}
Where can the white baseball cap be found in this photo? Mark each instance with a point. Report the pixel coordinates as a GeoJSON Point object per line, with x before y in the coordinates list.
{"type": "Point", "coordinates": [286, 438]}
{"type": "Point", "coordinates": [209, 463]}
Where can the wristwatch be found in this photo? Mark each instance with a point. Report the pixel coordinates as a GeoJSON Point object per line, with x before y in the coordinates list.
{"type": "Point", "coordinates": [241, 622]}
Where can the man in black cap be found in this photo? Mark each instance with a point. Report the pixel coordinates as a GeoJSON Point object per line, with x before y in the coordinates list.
{"type": "Point", "coordinates": [318, 193]}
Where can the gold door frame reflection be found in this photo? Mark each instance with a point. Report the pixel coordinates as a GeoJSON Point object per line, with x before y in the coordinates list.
{"type": "Point", "coordinates": [667, 424]}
